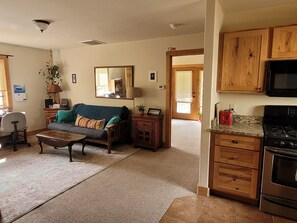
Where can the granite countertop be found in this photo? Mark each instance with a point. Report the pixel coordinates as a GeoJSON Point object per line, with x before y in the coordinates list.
{"type": "Point", "coordinates": [242, 125]}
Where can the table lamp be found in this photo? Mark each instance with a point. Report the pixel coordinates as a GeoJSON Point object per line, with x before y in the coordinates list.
{"type": "Point", "coordinates": [133, 92]}
{"type": "Point", "coordinates": [55, 89]}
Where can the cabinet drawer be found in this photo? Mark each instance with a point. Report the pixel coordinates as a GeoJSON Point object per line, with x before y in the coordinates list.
{"type": "Point", "coordinates": [144, 125]}
{"type": "Point", "coordinates": [235, 180]}
{"type": "Point", "coordinates": [240, 157]}
{"type": "Point", "coordinates": [242, 142]}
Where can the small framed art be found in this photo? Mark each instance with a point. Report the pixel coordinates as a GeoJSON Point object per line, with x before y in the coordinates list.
{"type": "Point", "coordinates": [74, 78]}
{"type": "Point", "coordinates": [153, 76]}
{"type": "Point", "coordinates": [154, 111]}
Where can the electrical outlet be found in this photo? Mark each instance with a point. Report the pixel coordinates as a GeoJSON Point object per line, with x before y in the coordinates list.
{"type": "Point", "coordinates": [232, 107]}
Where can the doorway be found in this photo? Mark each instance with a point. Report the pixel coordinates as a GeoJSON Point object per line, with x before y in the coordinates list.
{"type": "Point", "coordinates": [187, 91]}
{"type": "Point", "coordinates": [169, 89]}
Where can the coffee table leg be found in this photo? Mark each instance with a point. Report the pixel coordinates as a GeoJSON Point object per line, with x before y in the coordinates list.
{"type": "Point", "coordinates": [41, 148]}
{"type": "Point", "coordinates": [70, 152]}
{"type": "Point", "coordinates": [83, 147]}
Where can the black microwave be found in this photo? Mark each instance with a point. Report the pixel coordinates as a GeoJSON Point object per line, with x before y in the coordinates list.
{"type": "Point", "coordinates": [281, 78]}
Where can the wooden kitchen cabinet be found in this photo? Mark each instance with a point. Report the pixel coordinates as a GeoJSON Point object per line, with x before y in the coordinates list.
{"type": "Point", "coordinates": [242, 61]}
{"type": "Point", "coordinates": [234, 166]}
{"type": "Point", "coordinates": [284, 44]}
{"type": "Point", "coordinates": [147, 130]}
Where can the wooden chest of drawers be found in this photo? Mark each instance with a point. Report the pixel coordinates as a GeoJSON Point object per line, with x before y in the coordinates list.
{"type": "Point", "coordinates": [147, 130]}
{"type": "Point", "coordinates": [234, 166]}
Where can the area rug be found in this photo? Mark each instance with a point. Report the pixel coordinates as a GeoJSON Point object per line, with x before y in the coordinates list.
{"type": "Point", "coordinates": [29, 179]}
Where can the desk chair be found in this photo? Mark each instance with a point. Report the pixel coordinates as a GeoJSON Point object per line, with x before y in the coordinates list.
{"type": "Point", "coordinates": [13, 125]}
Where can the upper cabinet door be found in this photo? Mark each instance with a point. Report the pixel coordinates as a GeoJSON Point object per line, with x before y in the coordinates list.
{"type": "Point", "coordinates": [284, 42]}
{"type": "Point", "coordinates": [243, 61]}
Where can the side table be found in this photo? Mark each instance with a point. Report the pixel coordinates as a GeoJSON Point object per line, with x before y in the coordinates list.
{"type": "Point", "coordinates": [50, 113]}
{"type": "Point", "coordinates": [147, 130]}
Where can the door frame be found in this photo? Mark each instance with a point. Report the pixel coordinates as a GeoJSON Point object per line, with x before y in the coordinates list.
{"type": "Point", "coordinates": [168, 110]}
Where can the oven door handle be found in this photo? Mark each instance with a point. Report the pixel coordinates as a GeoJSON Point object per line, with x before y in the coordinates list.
{"type": "Point", "coordinates": [281, 151]}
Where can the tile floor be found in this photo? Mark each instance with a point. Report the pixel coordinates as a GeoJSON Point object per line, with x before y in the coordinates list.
{"type": "Point", "coordinates": [199, 209]}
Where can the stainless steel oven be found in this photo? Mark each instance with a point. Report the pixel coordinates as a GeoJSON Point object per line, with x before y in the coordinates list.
{"type": "Point", "coordinates": [279, 174]}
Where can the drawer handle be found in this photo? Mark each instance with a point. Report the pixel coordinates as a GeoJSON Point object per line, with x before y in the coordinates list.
{"type": "Point", "coordinates": [237, 188]}
{"type": "Point", "coordinates": [234, 179]}
{"type": "Point", "coordinates": [234, 158]}
{"type": "Point", "coordinates": [234, 141]}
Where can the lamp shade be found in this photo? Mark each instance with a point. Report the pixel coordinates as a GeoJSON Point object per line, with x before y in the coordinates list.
{"type": "Point", "coordinates": [54, 88]}
{"type": "Point", "coordinates": [133, 92]}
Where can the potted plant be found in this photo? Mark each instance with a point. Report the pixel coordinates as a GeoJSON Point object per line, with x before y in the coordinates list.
{"type": "Point", "coordinates": [141, 108]}
{"type": "Point", "coordinates": [52, 78]}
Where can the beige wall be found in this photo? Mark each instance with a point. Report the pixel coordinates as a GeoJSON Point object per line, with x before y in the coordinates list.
{"type": "Point", "coordinates": [145, 56]}
{"type": "Point", "coordinates": [261, 18]}
{"type": "Point", "coordinates": [24, 67]}
{"type": "Point", "coordinates": [213, 23]}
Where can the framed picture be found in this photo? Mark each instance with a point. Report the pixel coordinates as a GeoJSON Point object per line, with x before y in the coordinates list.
{"type": "Point", "coordinates": [154, 111]}
{"type": "Point", "coordinates": [153, 76]}
{"type": "Point", "coordinates": [74, 78]}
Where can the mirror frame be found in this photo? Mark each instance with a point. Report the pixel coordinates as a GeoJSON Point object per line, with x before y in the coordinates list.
{"type": "Point", "coordinates": [130, 85]}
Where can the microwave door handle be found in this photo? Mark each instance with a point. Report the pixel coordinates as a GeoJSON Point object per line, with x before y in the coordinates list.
{"type": "Point", "coordinates": [281, 152]}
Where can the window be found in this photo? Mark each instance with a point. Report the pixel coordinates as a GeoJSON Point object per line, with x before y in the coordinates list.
{"type": "Point", "coordinates": [5, 92]}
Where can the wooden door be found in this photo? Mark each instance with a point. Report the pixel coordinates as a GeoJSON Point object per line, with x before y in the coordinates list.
{"type": "Point", "coordinates": [187, 92]}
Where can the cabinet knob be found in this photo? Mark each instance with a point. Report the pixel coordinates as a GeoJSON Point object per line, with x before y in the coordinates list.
{"type": "Point", "coordinates": [234, 157]}
{"type": "Point", "coordinates": [259, 89]}
{"type": "Point", "coordinates": [234, 141]}
{"type": "Point", "coordinates": [234, 179]}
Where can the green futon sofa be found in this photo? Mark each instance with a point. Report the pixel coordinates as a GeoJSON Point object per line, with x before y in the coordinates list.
{"type": "Point", "coordinates": [79, 119]}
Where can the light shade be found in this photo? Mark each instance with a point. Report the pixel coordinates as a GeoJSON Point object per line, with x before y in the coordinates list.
{"type": "Point", "coordinates": [54, 88]}
{"type": "Point", "coordinates": [41, 25]}
{"type": "Point", "coordinates": [133, 92]}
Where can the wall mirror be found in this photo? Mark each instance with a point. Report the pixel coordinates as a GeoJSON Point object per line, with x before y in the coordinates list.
{"type": "Point", "coordinates": [112, 81]}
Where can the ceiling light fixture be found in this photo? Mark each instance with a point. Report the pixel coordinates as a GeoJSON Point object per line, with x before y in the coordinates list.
{"type": "Point", "coordinates": [41, 25]}
{"type": "Point", "coordinates": [175, 25]}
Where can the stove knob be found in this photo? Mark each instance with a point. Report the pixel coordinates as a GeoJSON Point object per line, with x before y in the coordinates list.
{"type": "Point", "coordinates": [282, 144]}
{"type": "Point", "coordinates": [291, 145]}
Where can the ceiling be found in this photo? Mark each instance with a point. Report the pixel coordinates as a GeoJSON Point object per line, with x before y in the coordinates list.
{"type": "Point", "coordinates": [110, 21]}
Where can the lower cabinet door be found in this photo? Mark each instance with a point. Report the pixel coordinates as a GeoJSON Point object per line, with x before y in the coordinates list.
{"type": "Point", "coordinates": [235, 180]}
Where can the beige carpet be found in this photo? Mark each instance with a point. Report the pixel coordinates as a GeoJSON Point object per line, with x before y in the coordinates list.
{"type": "Point", "coordinates": [137, 189]}
{"type": "Point", "coordinates": [28, 179]}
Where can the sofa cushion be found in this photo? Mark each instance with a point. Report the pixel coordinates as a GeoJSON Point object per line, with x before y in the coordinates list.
{"type": "Point", "coordinates": [114, 120]}
{"type": "Point", "coordinates": [100, 112]}
{"type": "Point", "coordinates": [65, 116]}
{"type": "Point", "coordinates": [91, 133]}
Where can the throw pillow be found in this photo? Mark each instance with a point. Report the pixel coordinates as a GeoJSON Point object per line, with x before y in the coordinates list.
{"type": "Point", "coordinates": [96, 124]}
{"type": "Point", "coordinates": [114, 120]}
{"type": "Point", "coordinates": [81, 121]}
{"type": "Point", "coordinates": [64, 116]}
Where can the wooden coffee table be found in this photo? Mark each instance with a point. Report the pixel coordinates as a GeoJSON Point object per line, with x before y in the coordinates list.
{"type": "Point", "coordinates": [57, 138]}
